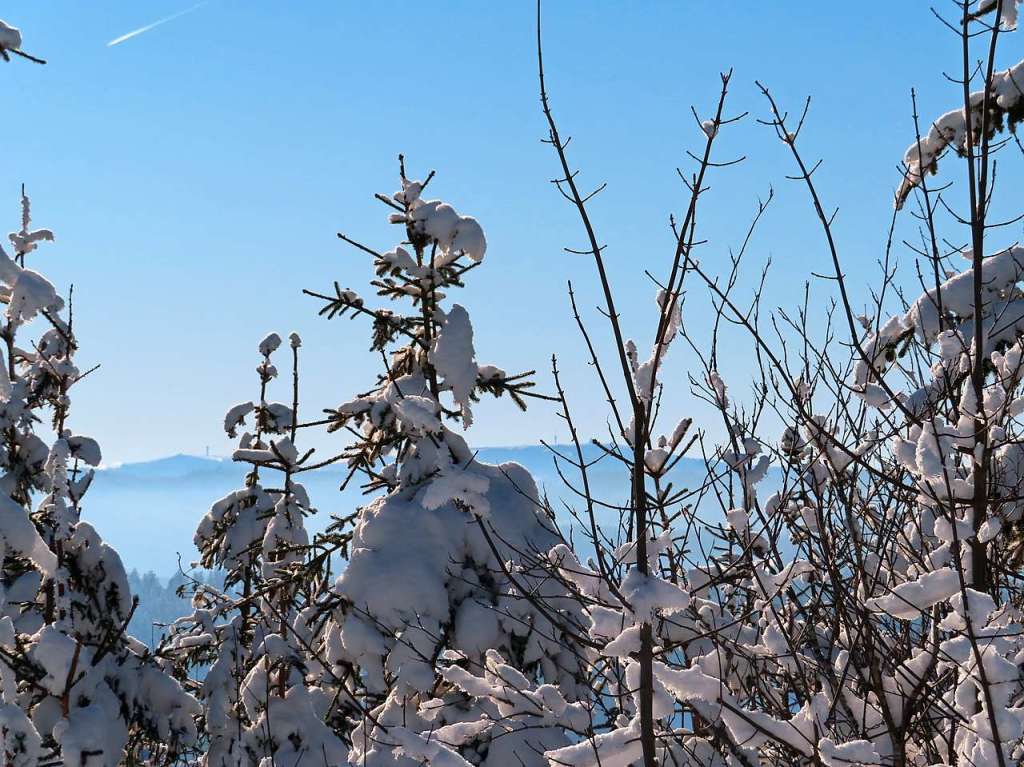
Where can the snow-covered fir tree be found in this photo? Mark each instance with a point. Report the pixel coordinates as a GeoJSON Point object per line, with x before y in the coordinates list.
{"type": "Point", "coordinates": [440, 579]}
{"type": "Point", "coordinates": [262, 705]}
{"type": "Point", "coordinates": [75, 688]}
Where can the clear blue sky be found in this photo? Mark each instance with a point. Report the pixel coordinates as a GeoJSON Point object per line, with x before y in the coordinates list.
{"type": "Point", "coordinates": [196, 174]}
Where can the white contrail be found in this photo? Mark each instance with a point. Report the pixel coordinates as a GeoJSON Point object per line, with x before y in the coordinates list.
{"type": "Point", "coordinates": [155, 24]}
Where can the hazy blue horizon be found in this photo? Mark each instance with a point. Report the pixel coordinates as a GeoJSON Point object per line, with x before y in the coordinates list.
{"type": "Point", "coordinates": [196, 175]}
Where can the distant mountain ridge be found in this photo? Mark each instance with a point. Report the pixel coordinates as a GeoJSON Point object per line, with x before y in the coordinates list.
{"type": "Point", "coordinates": [169, 467]}
{"type": "Point", "coordinates": [149, 510]}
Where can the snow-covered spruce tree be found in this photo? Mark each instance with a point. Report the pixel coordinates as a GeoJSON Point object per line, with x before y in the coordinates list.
{"type": "Point", "coordinates": [438, 587]}
{"type": "Point", "coordinates": [252, 639]}
{"type": "Point", "coordinates": [75, 688]}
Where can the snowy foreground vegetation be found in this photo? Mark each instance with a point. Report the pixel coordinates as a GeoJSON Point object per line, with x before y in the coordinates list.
{"type": "Point", "coordinates": [861, 608]}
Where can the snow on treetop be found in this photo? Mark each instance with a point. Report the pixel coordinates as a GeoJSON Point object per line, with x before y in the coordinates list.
{"type": "Point", "coordinates": [26, 240]}
{"type": "Point", "coordinates": [10, 37]}
{"type": "Point", "coordinates": [270, 344]}
{"type": "Point", "coordinates": [28, 292]}
{"type": "Point", "coordinates": [455, 235]}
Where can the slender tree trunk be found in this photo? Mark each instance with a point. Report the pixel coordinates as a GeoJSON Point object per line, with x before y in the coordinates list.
{"type": "Point", "coordinates": [646, 656]}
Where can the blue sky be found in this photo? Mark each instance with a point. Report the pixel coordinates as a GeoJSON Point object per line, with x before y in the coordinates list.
{"type": "Point", "coordinates": [196, 175]}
